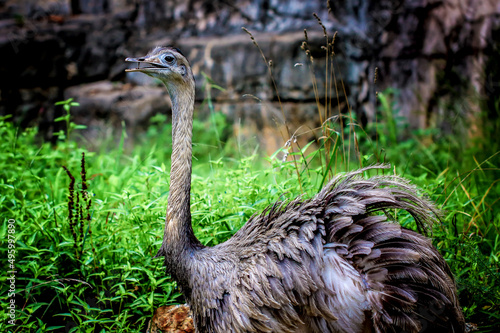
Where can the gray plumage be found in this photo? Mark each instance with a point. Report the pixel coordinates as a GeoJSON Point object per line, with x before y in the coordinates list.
{"type": "Point", "coordinates": [333, 263]}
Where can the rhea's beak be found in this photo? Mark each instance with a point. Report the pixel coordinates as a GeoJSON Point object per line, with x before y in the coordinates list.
{"type": "Point", "coordinates": [138, 61]}
{"type": "Point", "coordinates": [152, 63]}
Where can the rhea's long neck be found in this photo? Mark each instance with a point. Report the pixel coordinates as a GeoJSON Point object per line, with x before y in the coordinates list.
{"type": "Point", "coordinates": [178, 235]}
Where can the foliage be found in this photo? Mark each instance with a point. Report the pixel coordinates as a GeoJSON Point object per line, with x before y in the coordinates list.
{"type": "Point", "coordinates": [85, 243]}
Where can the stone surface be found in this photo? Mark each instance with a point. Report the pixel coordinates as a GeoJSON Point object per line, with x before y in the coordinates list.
{"type": "Point", "coordinates": [433, 52]}
{"type": "Point", "coordinates": [104, 106]}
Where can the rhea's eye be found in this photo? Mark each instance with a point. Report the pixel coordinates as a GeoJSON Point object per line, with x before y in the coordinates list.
{"type": "Point", "coordinates": [169, 58]}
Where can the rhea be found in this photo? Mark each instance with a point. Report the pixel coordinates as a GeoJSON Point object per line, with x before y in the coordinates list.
{"type": "Point", "coordinates": [335, 263]}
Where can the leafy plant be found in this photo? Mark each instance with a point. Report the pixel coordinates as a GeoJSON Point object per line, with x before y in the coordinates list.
{"type": "Point", "coordinates": [70, 126]}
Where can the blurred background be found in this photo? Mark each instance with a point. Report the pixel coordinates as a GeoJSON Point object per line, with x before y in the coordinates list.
{"type": "Point", "coordinates": [440, 57]}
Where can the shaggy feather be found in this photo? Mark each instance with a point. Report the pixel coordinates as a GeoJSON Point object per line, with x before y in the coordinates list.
{"type": "Point", "coordinates": [339, 268]}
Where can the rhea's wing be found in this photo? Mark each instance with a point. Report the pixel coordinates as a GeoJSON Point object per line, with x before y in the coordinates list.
{"type": "Point", "coordinates": [330, 261]}
{"type": "Point", "coordinates": [276, 282]}
{"type": "Point", "coordinates": [407, 282]}
{"type": "Point", "coordinates": [279, 283]}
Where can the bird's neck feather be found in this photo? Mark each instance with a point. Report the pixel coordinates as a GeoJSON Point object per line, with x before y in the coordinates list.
{"type": "Point", "coordinates": [178, 234]}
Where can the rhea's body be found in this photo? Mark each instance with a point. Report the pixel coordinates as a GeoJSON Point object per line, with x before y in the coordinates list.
{"type": "Point", "coordinates": [333, 263]}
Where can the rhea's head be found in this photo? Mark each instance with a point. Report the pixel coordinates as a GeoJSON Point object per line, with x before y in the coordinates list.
{"type": "Point", "coordinates": [167, 64]}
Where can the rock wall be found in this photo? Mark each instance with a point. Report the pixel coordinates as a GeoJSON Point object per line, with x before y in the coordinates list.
{"type": "Point", "coordinates": [433, 52]}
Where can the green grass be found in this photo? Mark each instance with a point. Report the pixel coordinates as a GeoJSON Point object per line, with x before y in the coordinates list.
{"type": "Point", "coordinates": [84, 251]}
{"type": "Point", "coordinates": [93, 269]}
{"type": "Point", "coordinates": [95, 272]}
